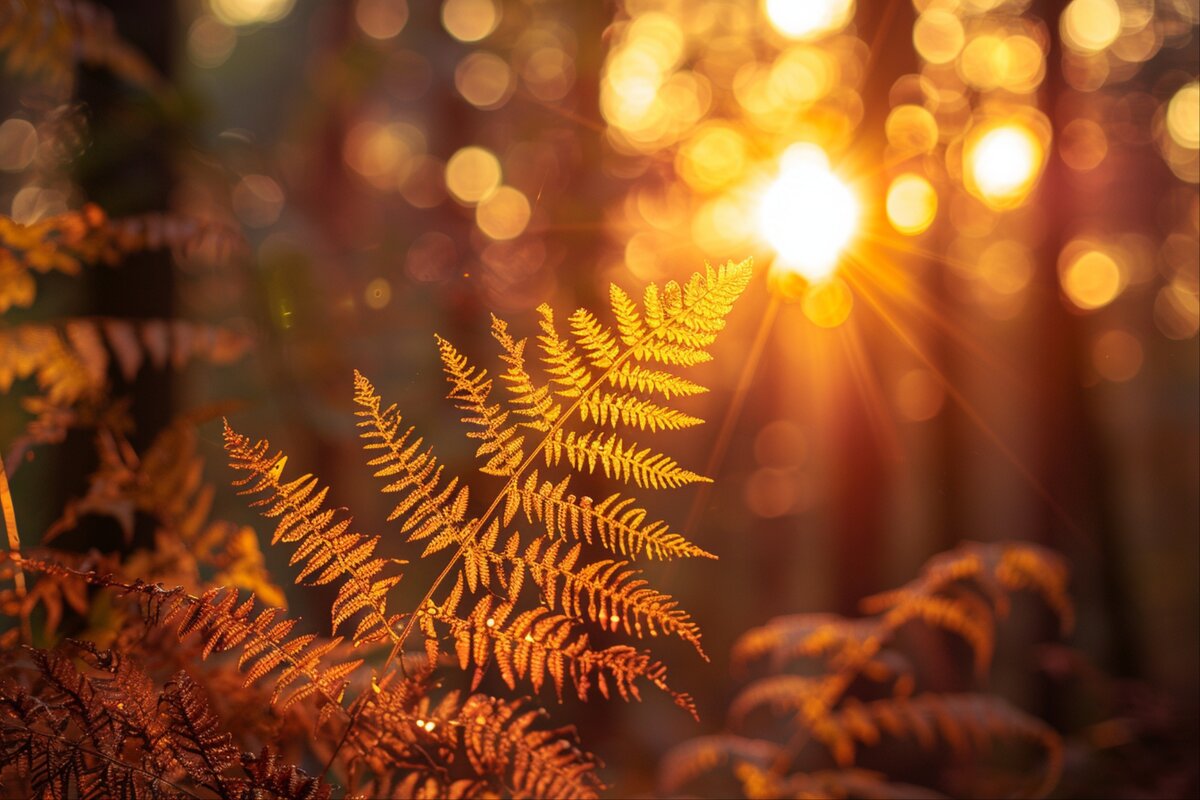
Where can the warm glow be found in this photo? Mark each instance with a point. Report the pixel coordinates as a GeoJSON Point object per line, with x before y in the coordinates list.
{"type": "Point", "coordinates": [472, 174]}
{"type": "Point", "coordinates": [381, 19]}
{"type": "Point", "coordinates": [251, 12]}
{"type": "Point", "coordinates": [503, 214]}
{"type": "Point", "coordinates": [828, 304]}
{"type": "Point", "coordinates": [1090, 25]}
{"type": "Point", "coordinates": [470, 20]}
{"type": "Point", "coordinates": [1091, 279]}
{"type": "Point", "coordinates": [1002, 164]}
{"type": "Point", "coordinates": [808, 214]}
{"type": "Point", "coordinates": [1183, 116]}
{"type": "Point", "coordinates": [806, 19]}
{"type": "Point", "coordinates": [911, 204]}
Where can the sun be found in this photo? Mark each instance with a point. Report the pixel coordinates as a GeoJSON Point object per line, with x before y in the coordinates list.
{"type": "Point", "coordinates": [808, 214]}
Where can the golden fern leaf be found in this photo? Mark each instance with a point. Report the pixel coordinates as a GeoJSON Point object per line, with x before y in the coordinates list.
{"type": "Point", "coordinates": [614, 522]}
{"type": "Point", "coordinates": [530, 401]}
{"type": "Point", "coordinates": [537, 645]}
{"type": "Point", "coordinates": [425, 506]}
{"type": "Point", "coordinates": [326, 549]}
{"type": "Point", "coordinates": [781, 694]}
{"type": "Point", "coordinates": [470, 388]}
{"type": "Point", "coordinates": [607, 591]}
{"type": "Point", "coordinates": [563, 364]}
{"type": "Point", "coordinates": [963, 721]}
{"type": "Point", "coordinates": [644, 467]}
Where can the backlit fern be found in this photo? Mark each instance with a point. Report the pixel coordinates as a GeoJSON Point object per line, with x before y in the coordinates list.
{"type": "Point", "coordinates": [963, 592]}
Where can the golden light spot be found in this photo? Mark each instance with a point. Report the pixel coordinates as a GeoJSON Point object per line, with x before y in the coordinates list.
{"type": "Point", "coordinates": [491, 623]}
{"type": "Point", "coordinates": [1082, 145]}
{"type": "Point", "coordinates": [470, 20]}
{"type": "Point", "coordinates": [713, 157]}
{"type": "Point", "coordinates": [1117, 356]}
{"type": "Point", "coordinates": [808, 19]}
{"type": "Point", "coordinates": [383, 154]}
{"type": "Point", "coordinates": [911, 204]}
{"type": "Point", "coordinates": [381, 19]}
{"type": "Point", "coordinates": [1003, 162]}
{"type": "Point", "coordinates": [472, 174]}
{"type": "Point", "coordinates": [251, 12]}
{"type": "Point", "coordinates": [549, 73]}
{"type": "Point", "coordinates": [528, 637]}
{"type": "Point", "coordinates": [257, 200]}
{"type": "Point", "coordinates": [808, 215]}
{"type": "Point", "coordinates": [503, 214]}
{"type": "Point", "coordinates": [1089, 26]}
{"type": "Point", "coordinates": [378, 293]}
{"type": "Point", "coordinates": [1183, 116]}
{"type": "Point", "coordinates": [18, 144]}
{"type": "Point", "coordinates": [613, 620]}
{"type": "Point", "coordinates": [210, 42]}
{"type": "Point", "coordinates": [429, 726]}
{"type": "Point", "coordinates": [1090, 278]}
{"type": "Point", "coordinates": [484, 80]}
{"type": "Point", "coordinates": [1177, 311]}
{"type": "Point", "coordinates": [919, 395]}
{"type": "Point", "coordinates": [911, 129]}
{"type": "Point", "coordinates": [938, 36]}
{"type": "Point", "coordinates": [828, 304]}
{"type": "Point", "coordinates": [480, 720]}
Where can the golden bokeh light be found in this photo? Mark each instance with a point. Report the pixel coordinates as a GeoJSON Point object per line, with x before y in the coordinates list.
{"type": "Point", "coordinates": [938, 35]}
{"type": "Point", "coordinates": [808, 214]}
{"type": "Point", "coordinates": [828, 304]}
{"type": "Point", "coordinates": [1090, 278]}
{"type": "Point", "coordinates": [251, 12]}
{"type": "Point", "coordinates": [484, 80]}
{"type": "Point", "coordinates": [911, 204]}
{"type": "Point", "coordinates": [383, 154]}
{"type": "Point", "coordinates": [470, 20]}
{"type": "Point", "coordinates": [712, 158]}
{"type": "Point", "coordinates": [381, 19]}
{"type": "Point", "coordinates": [911, 130]}
{"type": "Point", "coordinates": [1183, 116]}
{"type": "Point", "coordinates": [1117, 356]}
{"type": "Point", "coordinates": [1089, 26]}
{"type": "Point", "coordinates": [991, 61]}
{"type": "Point", "coordinates": [377, 293]}
{"type": "Point", "coordinates": [472, 174]}
{"type": "Point", "coordinates": [503, 214]}
{"type": "Point", "coordinates": [1003, 163]}
{"type": "Point", "coordinates": [808, 19]}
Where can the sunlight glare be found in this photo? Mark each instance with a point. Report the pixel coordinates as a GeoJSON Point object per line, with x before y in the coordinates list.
{"type": "Point", "coordinates": [807, 19]}
{"type": "Point", "coordinates": [808, 214]}
{"type": "Point", "coordinates": [1003, 164]}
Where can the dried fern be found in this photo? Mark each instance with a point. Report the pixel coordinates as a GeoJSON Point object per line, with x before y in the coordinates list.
{"type": "Point", "coordinates": [962, 592]}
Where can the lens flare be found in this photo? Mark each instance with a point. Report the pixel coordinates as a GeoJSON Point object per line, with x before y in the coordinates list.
{"type": "Point", "coordinates": [1003, 163]}
{"type": "Point", "coordinates": [808, 215]}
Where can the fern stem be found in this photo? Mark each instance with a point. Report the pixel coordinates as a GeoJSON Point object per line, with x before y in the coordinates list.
{"type": "Point", "coordinates": [14, 552]}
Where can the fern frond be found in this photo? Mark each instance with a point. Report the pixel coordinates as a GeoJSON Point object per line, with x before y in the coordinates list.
{"type": "Point", "coordinates": [496, 738]}
{"type": "Point", "coordinates": [470, 388]}
{"type": "Point", "coordinates": [539, 645]}
{"type": "Point", "coordinates": [842, 784]}
{"type": "Point", "coordinates": [533, 402]}
{"type": "Point", "coordinates": [625, 409]}
{"type": "Point", "coordinates": [325, 549]}
{"type": "Point", "coordinates": [696, 757]}
{"type": "Point", "coordinates": [606, 591]}
{"type": "Point", "coordinates": [110, 735]}
{"type": "Point", "coordinates": [963, 721]}
{"type": "Point", "coordinates": [644, 467]}
{"type": "Point", "coordinates": [425, 506]}
{"type": "Point", "coordinates": [614, 522]}
{"type": "Point", "coordinates": [564, 365]}
{"type": "Point", "coordinates": [781, 694]}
